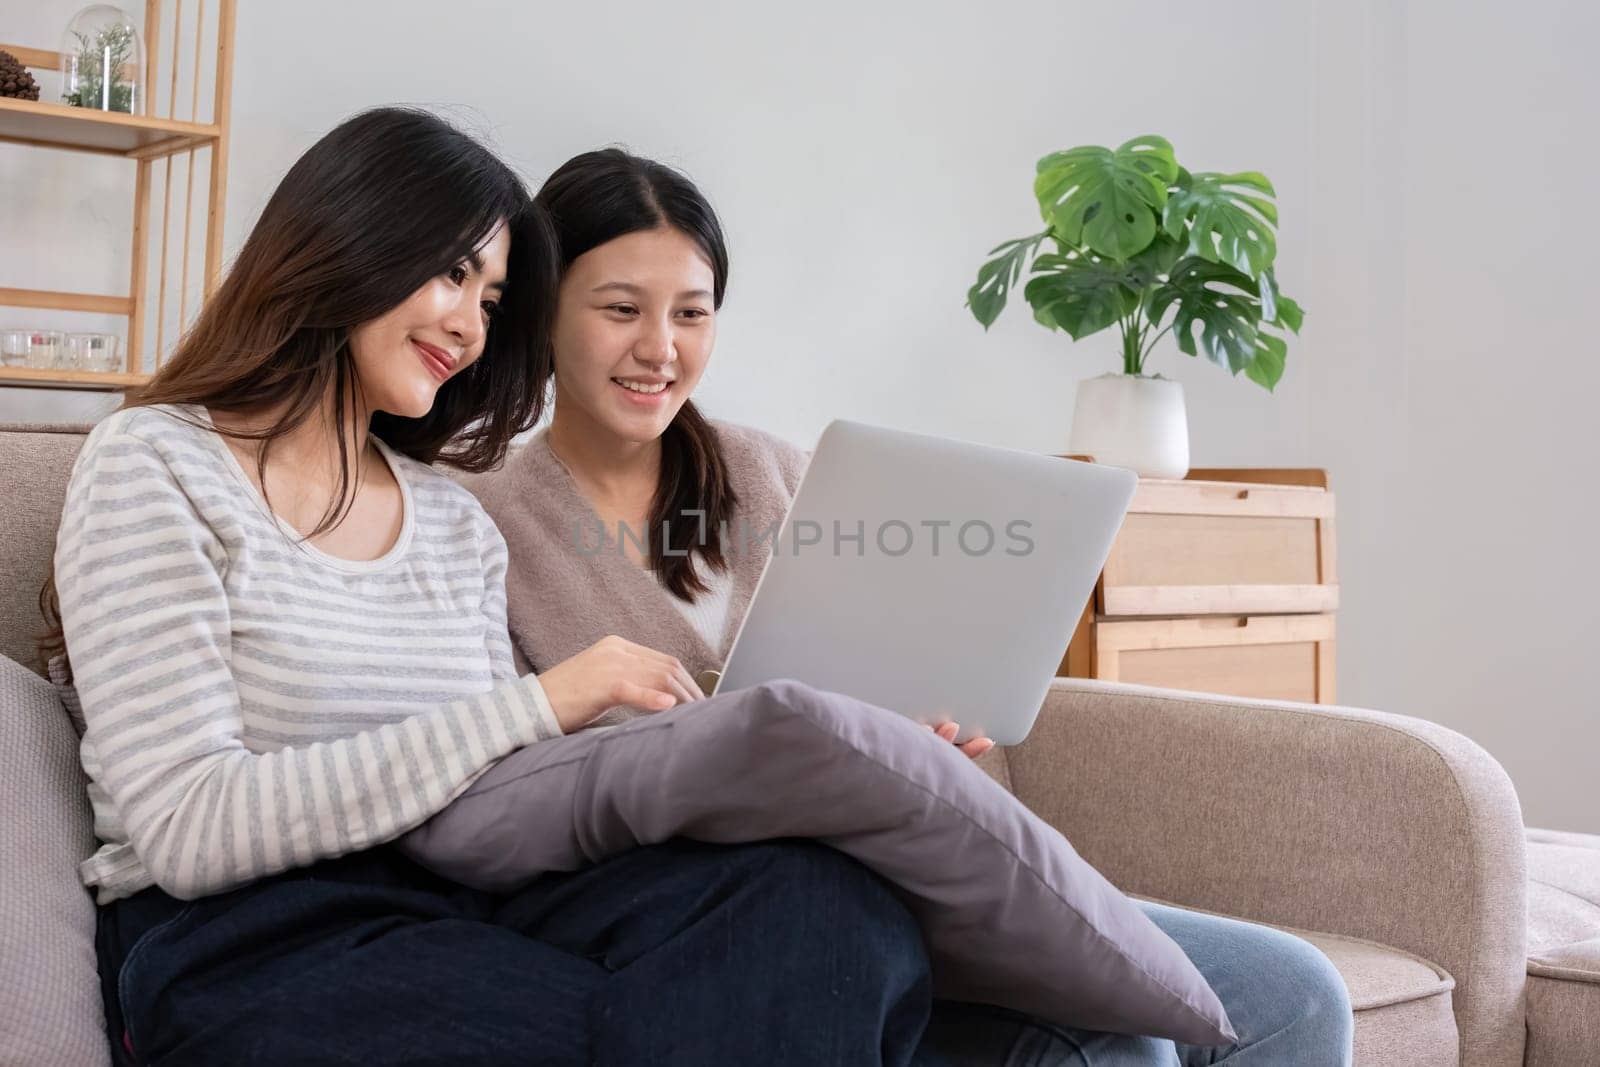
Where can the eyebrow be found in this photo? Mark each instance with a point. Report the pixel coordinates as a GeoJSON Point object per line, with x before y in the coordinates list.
{"type": "Point", "coordinates": [477, 265]}
{"type": "Point", "coordinates": [626, 287]}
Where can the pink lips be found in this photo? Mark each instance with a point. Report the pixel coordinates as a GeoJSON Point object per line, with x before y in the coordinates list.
{"type": "Point", "coordinates": [436, 359]}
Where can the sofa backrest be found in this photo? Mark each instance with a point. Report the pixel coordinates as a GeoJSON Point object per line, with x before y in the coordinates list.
{"type": "Point", "coordinates": [34, 464]}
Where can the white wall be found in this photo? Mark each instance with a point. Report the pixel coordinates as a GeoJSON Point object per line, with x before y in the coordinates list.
{"type": "Point", "coordinates": [1453, 393]}
{"type": "Point", "coordinates": [865, 156]}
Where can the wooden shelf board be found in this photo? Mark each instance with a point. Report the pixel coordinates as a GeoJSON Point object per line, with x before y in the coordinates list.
{"type": "Point", "coordinates": [57, 301]}
{"type": "Point", "coordinates": [37, 58]}
{"type": "Point", "coordinates": [69, 379]}
{"type": "Point", "coordinates": [86, 130]}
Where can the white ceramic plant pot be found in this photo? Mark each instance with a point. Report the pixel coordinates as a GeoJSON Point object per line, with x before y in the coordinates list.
{"type": "Point", "coordinates": [1131, 421]}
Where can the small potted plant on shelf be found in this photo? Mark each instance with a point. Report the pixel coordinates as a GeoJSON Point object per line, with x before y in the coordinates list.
{"type": "Point", "coordinates": [101, 61]}
{"type": "Point", "coordinates": [1135, 241]}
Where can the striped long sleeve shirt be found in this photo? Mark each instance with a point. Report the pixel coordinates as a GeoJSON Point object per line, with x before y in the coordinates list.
{"type": "Point", "coordinates": [250, 703]}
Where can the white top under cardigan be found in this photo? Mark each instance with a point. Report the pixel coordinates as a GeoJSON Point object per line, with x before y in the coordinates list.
{"type": "Point", "coordinates": [708, 611]}
{"type": "Point", "coordinates": [251, 705]}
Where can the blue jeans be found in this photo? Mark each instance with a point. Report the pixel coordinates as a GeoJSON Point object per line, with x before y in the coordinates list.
{"type": "Point", "coordinates": [783, 952]}
{"type": "Point", "coordinates": [1287, 1003]}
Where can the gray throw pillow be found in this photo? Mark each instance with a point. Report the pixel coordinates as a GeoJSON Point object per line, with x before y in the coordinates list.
{"type": "Point", "coordinates": [1012, 915]}
{"type": "Point", "coordinates": [50, 1010]}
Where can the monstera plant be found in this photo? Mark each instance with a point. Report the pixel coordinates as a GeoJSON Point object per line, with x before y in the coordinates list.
{"type": "Point", "coordinates": [1132, 239]}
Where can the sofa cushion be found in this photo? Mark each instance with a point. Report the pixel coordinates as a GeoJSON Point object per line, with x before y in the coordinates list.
{"type": "Point", "coordinates": [1403, 1004]}
{"type": "Point", "coordinates": [1563, 948]}
{"type": "Point", "coordinates": [50, 1010]}
{"type": "Point", "coordinates": [1564, 1005]}
{"type": "Point", "coordinates": [34, 464]}
{"type": "Point", "coordinates": [1404, 1010]}
{"type": "Point", "coordinates": [1563, 889]}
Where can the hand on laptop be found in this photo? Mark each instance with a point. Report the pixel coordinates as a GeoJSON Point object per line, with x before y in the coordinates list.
{"type": "Point", "coordinates": [613, 671]}
{"type": "Point", "coordinates": [973, 747]}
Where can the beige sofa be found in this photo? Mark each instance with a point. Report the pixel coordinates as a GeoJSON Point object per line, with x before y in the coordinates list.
{"type": "Point", "coordinates": [1393, 844]}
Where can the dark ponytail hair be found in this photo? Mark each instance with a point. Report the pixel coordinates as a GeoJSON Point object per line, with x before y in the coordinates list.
{"type": "Point", "coordinates": [379, 205]}
{"type": "Point", "coordinates": [600, 196]}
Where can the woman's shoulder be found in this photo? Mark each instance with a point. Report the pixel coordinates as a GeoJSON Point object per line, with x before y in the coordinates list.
{"type": "Point", "coordinates": [153, 422]}
{"type": "Point", "coordinates": [751, 437]}
{"type": "Point", "coordinates": [168, 431]}
{"type": "Point", "coordinates": [152, 456]}
{"type": "Point", "coordinates": [528, 485]}
{"type": "Point", "coordinates": [749, 450]}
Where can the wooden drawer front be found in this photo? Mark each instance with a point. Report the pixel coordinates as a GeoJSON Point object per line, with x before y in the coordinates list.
{"type": "Point", "coordinates": [1271, 657]}
{"type": "Point", "coordinates": [1208, 548]}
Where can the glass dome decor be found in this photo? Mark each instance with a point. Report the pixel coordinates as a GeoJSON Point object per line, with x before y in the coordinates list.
{"type": "Point", "coordinates": [102, 61]}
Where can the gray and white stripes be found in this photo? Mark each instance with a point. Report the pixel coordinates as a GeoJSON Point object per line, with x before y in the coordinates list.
{"type": "Point", "coordinates": [251, 704]}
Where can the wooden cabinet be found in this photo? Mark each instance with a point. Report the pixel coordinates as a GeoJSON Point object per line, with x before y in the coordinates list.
{"type": "Point", "coordinates": [1222, 582]}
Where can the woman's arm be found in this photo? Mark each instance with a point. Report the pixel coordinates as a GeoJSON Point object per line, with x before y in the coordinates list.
{"type": "Point", "coordinates": [497, 634]}
{"type": "Point", "coordinates": [147, 623]}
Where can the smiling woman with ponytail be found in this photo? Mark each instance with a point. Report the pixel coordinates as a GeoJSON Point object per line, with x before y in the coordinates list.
{"type": "Point", "coordinates": [682, 502]}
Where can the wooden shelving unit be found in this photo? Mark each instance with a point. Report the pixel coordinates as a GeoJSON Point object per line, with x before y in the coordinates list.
{"type": "Point", "coordinates": [146, 140]}
{"type": "Point", "coordinates": [107, 132]}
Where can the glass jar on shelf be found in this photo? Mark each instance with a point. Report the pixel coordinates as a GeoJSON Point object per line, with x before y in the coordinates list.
{"type": "Point", "coordinates": [44, 349]}
{"type": "Point", "coordinates": [92, 352]}
{"type": "Point", "coordinates": [102, 61]}
{"type": "Point", "coordinates": [14, 348]}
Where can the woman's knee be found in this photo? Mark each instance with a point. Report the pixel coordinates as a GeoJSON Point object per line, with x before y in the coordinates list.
{"type": "Point", "coordinates": [1280, 991]}
{"type": "Point", "coordinates": [1327, 996]}
{"type": "Point", "coordinates": [1305, 995]}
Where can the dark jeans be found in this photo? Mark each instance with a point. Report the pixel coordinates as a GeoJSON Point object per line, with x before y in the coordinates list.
{"type": "Point", "coordinates": [782, 952]}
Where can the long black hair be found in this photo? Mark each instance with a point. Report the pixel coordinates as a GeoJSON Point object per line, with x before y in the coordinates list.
{"type": "Point", "coordinates": [378, 206]}
{"type": "Point", "coordinates": [597, 197]}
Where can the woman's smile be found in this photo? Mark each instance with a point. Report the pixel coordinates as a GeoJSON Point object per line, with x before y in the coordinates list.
{"type": "Point", "coordinates": [644, 392]}
{"type": "Point", "coordinates": [439, 362]}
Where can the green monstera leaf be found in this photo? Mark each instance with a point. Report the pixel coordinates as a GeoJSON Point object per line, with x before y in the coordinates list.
{"type": "Point", "coordinates": [1228, 307]}
{"type": "Point", "coordinates": [1138, 240]}
{"type": "Point", "coordinates": [1107, 201]}
{"type": "Point", "coordinates": [1267, 367]}
{"type": "Point", "coordinates": [987, 298]}
{"type": "Point", "coordinates": [1151, 267]}
{"type": "Point", "coordinates": [1080, 292]}
{"type": "Point", "coordinates": [1077, 290]}
{"type": "Point", "coordinates": [1227, 219]}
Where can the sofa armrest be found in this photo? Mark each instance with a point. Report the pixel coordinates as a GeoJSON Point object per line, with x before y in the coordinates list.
{"type": "Point", "coordinates": [1325, 818]}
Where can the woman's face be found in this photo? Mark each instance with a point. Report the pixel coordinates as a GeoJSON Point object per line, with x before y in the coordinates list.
{"type": "Point", "coordinates": [406, 354]}
{"type": "Point", "coordinates": [634, 330]}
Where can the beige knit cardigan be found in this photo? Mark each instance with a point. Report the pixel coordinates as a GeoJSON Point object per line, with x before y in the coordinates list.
{"type": "Point", "coordinates": [562, 595]}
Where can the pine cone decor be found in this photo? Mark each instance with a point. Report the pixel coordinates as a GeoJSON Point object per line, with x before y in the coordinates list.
{"type": "Point", "coordinates": [15, 81]}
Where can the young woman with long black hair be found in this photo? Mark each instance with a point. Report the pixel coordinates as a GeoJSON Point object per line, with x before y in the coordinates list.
{"type": "Point", "coordinates": [287, 635]}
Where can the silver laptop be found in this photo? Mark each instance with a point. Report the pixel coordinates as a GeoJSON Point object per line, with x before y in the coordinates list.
{"type": "Point", "coordinates": [935, 578]}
